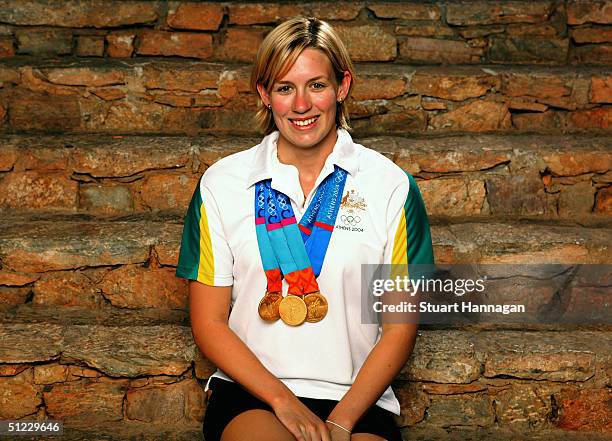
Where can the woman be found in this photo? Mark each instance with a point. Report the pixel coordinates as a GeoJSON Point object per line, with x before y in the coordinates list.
{"type": "Point", "coordinates": [274, 304]}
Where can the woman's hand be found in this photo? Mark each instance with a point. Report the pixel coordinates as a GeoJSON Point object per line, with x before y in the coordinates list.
{"type": "Point", "coordinates": [338, 434]}
{"type": "Point", "coordinates": [300, 421]}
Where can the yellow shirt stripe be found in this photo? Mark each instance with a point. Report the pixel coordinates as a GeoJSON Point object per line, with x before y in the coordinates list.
{"type": "Point", "coordinates": [206, 265]}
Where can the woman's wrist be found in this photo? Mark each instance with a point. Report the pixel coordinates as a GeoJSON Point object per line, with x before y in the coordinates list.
{"type": "Point", "coordinates": [281, 397]}
{"type": "Point", "coordinates": [345, 422]}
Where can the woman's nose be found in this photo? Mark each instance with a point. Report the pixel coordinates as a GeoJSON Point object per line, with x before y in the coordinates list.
{"type": "Point", "coordinates": [301, 102]}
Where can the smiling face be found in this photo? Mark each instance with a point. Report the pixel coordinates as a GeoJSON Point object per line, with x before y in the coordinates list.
{"type": "Point", "coordinates": [304, 102]}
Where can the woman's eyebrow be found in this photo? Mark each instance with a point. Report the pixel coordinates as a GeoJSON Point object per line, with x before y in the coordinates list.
{"type": "Point", "coordinates": [312, 79]}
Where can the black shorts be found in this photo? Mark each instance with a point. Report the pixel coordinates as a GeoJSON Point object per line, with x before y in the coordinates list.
{"type": "Point", "coordinates": [229, 399]}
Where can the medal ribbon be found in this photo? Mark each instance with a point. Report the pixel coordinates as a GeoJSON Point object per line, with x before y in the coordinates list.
{"type": "Point", "coordinates": [299, 251]}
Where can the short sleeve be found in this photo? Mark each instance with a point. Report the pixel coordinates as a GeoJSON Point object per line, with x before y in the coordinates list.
{"type": "Point", "coordinates": [205, 255]}
{"type": "Point", "coordinates": [409, 237]}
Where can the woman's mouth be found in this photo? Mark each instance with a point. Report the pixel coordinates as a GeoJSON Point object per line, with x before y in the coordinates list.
{"type": "Point", "coordinates": [305, 124]}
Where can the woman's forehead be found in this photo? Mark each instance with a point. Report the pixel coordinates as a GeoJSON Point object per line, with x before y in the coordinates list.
{"type": "Point", "coordinates": [310, 64]}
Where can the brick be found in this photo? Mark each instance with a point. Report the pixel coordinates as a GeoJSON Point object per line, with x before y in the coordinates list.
{"type": "Point", "coordinates": [586, 409]}
{"type": "Point", "coordinates": [90, 46]}
{"type": "Point", "coordinates": [84, 401]}
{"type": "Point", "coordinates": [85, 77]}
{"type": "Point", "coordinates": [526, 355]}
{"type": "Point", "coordinates": [240, 45]}
{"type": "Point", "coordinates": [18, 397]}
{"type": "Point", "coordinates": [591, 11]}
{"type": "Point", "coordinates": [424, 29]}
{"type": "Point", "coordinates": [96, 13]}
{"type": "Point", "coordinates": [481, 31]}
{"type": "Point", "coordinates": [42, 158]}
{"type": "Point", "coordinates": [109, 93]}
{"type": "Point", "coordinates": [30, 342]}
{"type": "Point", "coordinates": [598, 118]}
{"type": "Point", "coordinates": [34, 79]}
{"type": "Point", "coordinates": [358, 41]}
{"type": "Point", "coordinates": [67, 289]}
{"type": "Point", "coordinates": [50, 373]}
{"type": "Point", "coordinates": [408, 11]}
{"type": "Point", "coordinates": [576, 200]}
{"type": "Point", "coordinates": [453, 87]}
{"type": "Point", "coordinates": [168, 191]}
{"type": "Point", "coordinates": [168, 254]}
{"type": "Point", "coordinates": [339, 10]}
{"type": "Point", "coordinates": [530, 104]}
{"type": "Point", "coordinates": [433, 50]}
{"type": "Point", "coordinates": [448, 160]}
{"type": "Point", "coordinates": [377, 87]}
{"type": "Point", "coordinates": [144, 350]}
{"type": "Point", "coordinates": [597, 54]}
{"type": "Point", "coordinates": [534, 122]}
{"type": "Point", "coordinates": [39, 111]}
{"type": "Point", "coordinates": [43, 42]}
{"type": "Point", "coordinates": [601, 90]}
{"type": "Point", "coordinates": [408, 120]}
{"type": "Point", "coordinates": [515, 195]}
{"type": "Point", "coordinates": [452, 389]}
{"type": "Point", "coordinates": [7, 47]}
{"type": "Point", "coordinates": [120, 44]}
{"type": "Point", "coordinates": [477, 116]}
{"type": "Point", "coordinates": [102, 199]}
{"type": "Point", "coordinates": [79, 372]}
{"type": "Point", "coordinates": [202, 17]}
{"type": "Point", "coordinates": [117, 158]}
{"type": "Point", "coordinates": [182, 44]}
{"type": "Point", "coordinates": [192, 78]}
{"type": "Point", "coordinates": [603, 201]}
{"type": "Point", "coordinates": [9, 278]}
{"type": "Point", "coordinates": [248, 14]}
{"type": "Point", "coordinates": [453, 197]}
{"type": "Point", "coordinates": [10, 370]}
{"type": "Point", "coordinates": [487, 12]}
{"type": "Point", "coordinates": [523, 407]}
{"type": "Point", "coordinates": [170, 404]}
{"type": "Point", "coordinates": [464, 410]}
{"type": "Point", "coordinates": [442, 357]}
{"type": "Point", "coordinates": [413, 404]}
{"type": "Point", "coordinates": [132, 286]}
{"type": "Point", "coordinates": [11, 296]}
{"type": "Point", "coordinates": [57, 246]}
{"type": "Point", "coordinates": [8, 156]}
{"type": "Point", "coordinates": [592, 34]}
{"type": "Point", "coordinates": [528, 49]}
{"type": "Point", "coordinates": [25, 190]}
{"type": "Point", "coordinates": [541, 30]}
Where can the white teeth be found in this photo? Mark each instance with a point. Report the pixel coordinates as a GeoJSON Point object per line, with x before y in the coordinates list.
{"type": "Point", "coordinates": [304, 123]}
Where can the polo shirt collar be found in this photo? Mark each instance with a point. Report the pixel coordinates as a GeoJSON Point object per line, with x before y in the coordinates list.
{"type": "Point", "coordinates": [267, 166]}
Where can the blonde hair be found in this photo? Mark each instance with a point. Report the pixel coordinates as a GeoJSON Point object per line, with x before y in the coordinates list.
{"type": "Point", "coordinates": [281, 48]}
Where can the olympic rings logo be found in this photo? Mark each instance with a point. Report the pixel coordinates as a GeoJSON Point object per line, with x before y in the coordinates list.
{"type": "Point", "coordinates": [350, 220]}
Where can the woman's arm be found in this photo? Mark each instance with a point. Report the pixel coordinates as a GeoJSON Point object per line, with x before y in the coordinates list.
{"type": "Point", "coordinates": [209, 308]}
{"type": "Point", "coordinates": [380, 368]}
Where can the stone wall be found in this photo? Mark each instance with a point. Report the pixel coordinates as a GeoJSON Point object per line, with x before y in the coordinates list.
{"type": "Point", "coordinates": [110, 111]}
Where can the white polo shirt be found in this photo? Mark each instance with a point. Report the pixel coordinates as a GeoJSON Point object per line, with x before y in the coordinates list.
{"type": "Point", "coordinates": [382, 219]}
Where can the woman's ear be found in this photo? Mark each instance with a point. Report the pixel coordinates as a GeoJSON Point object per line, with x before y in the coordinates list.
{"type": "Point", "coordinates": [344, 86]}
{"type": "Point", "coordinates": [263, 94]}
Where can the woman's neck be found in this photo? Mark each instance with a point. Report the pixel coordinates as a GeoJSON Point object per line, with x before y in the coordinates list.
{"type": "Point", "coordinates": [308, 161]}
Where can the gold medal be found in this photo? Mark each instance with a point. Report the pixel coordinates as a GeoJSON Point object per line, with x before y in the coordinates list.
{"type": "Point", "coordinates": [293, 310]}
{"type": "Point", "coordinates": [316, 304]}
{"type": "Point", "coordinates": [268, 306]}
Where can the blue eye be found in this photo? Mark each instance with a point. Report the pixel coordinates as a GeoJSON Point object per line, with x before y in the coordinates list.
{"type": "Point", "coordinates": [282, 89]}
{"type": "Point", "coordinates": [318, 84]}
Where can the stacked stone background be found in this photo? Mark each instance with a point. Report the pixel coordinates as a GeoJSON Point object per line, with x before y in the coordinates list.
{"type": "Point", "coordinates": [111, 110]}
